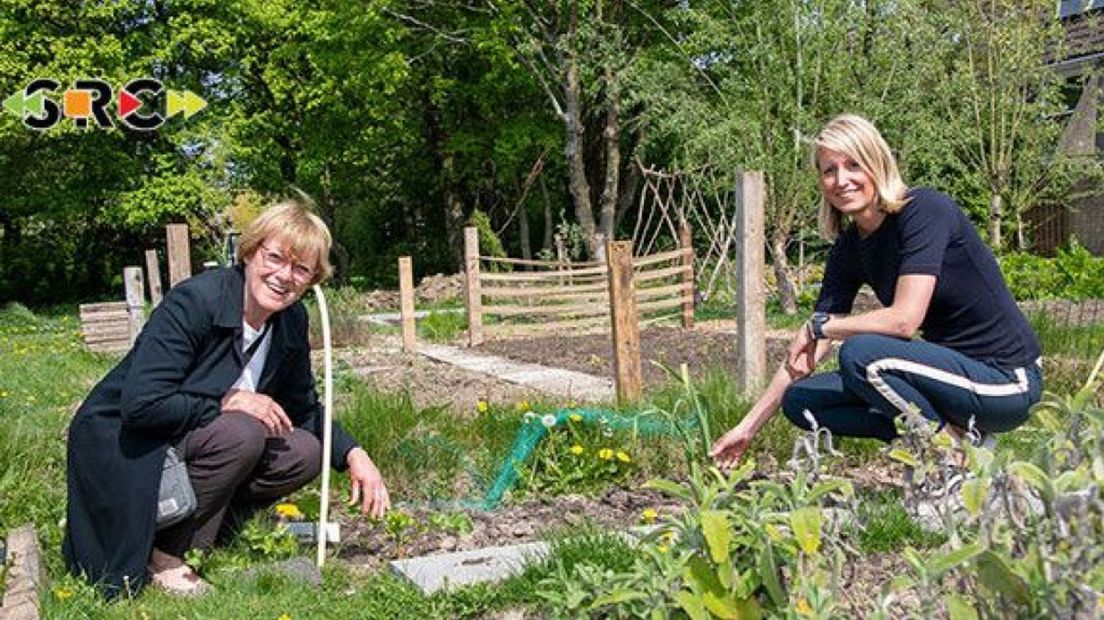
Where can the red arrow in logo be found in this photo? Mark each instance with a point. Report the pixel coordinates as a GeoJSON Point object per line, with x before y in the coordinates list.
{"type": "Point", "coordinates": [128, 103]}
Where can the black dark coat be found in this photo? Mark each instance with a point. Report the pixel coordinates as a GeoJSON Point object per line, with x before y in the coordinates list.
{"type": "Point", "coordinates": [171, 382]}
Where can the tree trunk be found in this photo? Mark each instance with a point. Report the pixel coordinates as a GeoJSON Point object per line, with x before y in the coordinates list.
{"type": "Point", "coordinates": [573, 126]}
{"type": "Point", "coordinates": [523, 232]}
{"type": "Point", "coordinates": [611, 136]}
{"type": "Point", "coordinates": [454, 212]}
{"type": "Point", "coordinates": [787, 295]}
{"type": "Point", "coordinates": [549, 223]}
{"type": "Point", "coordinates": [630, 189]}
{"type": "Point", "coordinates": [995, 218]}
{"type": "Point", "coordinates": [1021, 232]}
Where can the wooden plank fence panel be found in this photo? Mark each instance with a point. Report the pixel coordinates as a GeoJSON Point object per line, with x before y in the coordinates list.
{"type": "Point", "coordinates": [580, 309]}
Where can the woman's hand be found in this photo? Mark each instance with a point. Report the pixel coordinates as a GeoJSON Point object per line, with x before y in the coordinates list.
{"type": "Point", "coordinates": [728, 449]}
{"type": "Point", "coordinates": [261, 407]}
{"type": "Point", "coordinates": [801, 359]}
{"type": "Point", "coordinates": [368, 488]}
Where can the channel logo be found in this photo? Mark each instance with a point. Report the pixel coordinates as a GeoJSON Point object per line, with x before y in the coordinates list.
{"type": "Point", "coordinates": [143, 104]}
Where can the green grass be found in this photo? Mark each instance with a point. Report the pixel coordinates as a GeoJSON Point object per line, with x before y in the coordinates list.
{"type": "Point", "coordinates": [888, 527]}
{"type": "Point", "coordinates": [442, 326]}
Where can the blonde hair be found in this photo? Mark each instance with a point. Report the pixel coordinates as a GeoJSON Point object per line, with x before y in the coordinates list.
{"type": "Point", "coordinates": [860, 140]}
{"type": "Point", "coordinates": [306, 233]}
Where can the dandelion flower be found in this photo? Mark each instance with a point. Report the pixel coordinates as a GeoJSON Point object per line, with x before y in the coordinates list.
{"type": "Point", "coordinates": [289, 511]}
{"type": "Point", "coordinates": [576, 449]}
{"type": "Point", "coordinates": [661, 548]}
{"type": "Point", "coordinates": [802, 608]}
{"type": "Point", "coordinates": [623, 456]}
{"type": "Point", "coordinates": [522, 405]}
{"type": "Point", "coordinates": [649, 515]}
{"type": "Point", "coordinates": [606, 454]}
{"type": "Point", "coordinates": [575, 417]}
{"type": "Point", "coordinates": [482, 406]}
{"type": "Point", "coordinates": [284, 617]}
{"type": "Point", "coordinates": [548, 420]}
{"type": "Point", "coordinates": [63, 593]}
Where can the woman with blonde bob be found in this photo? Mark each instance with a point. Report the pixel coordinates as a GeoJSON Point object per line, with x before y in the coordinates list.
{"type": "Point", "coordinates": [978, 365]}
{"type": "Point", "coordinates": [222, 374]}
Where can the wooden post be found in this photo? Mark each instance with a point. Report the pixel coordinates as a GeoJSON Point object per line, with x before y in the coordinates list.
{"type": "Point", "coordinates": [406, 305]}
{"type": "Point", "coordinates": [153, 276]}
{"type": "Point", "coordinates": [135, 298]}
{"type": "Point", "coordinates": [626, 329]}
{"type": "Point", "coordinates": [686, 243]}
{"type": "Point", "coordinates": [180, 256]}
{"type": "Point", "coordinates": [471, 279]}
{"type": "Point", "coordinates": [751, 314]}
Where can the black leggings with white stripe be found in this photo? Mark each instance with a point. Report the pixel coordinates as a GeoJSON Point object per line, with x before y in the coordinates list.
{"type": "Point", "coordinates": [881, 376]}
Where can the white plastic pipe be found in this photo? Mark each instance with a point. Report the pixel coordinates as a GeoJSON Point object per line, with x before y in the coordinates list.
{"type": "Point", "coordinates": [327, 427]}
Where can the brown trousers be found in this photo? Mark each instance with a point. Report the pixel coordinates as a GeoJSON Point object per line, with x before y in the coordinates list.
{"type": "Point", "coordinates": [236, 468]}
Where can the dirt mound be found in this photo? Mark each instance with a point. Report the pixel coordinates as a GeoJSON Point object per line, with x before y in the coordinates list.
{"type": "Point", "coordinates": [440, 287]}
{"type": "Point", "coordinates": [381, 301]}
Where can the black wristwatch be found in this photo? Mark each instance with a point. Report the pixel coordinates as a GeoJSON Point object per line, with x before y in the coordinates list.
{"type": "Point", "coordinates": [816, 324]}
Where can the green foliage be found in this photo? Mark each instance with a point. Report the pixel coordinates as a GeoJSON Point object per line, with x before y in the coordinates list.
{"type": "Point", "coordinates": [1029, 530]}
{"type": "Point", "coordinates": [489, 243]}
{"type": "Point", "coordinates": [442, 326]}
{"type": "Point", "coordinates": [577, 457]}
{"type": "Point", "coordinates": [1073, 274]}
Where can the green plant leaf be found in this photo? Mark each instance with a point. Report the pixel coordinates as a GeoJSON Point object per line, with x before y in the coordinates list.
{"type": "Point", "coordinates": [806, 528]}
{"type": "Point", "coordinates": [617, 596]}
{"type": "Point", "coordinates": [958, 608]}
{"type": "Point", "coordinates": [692, 604]}
{"type": "Point", "coordinates": [667, 487]}
{"type": "Point", "coordinates": [994, 573]}
{"type": "Point", "coordinates": [974, 493]}
{"type": "Point", "coordinates": [718, 534]}
{"type": "Point", "coordinates": [904, 456]}
{"type": "Point", "coordinates": [1036, 477]}
{"type": "Point", "coordinates": [943, 563]}
{"type": "Point", "coordinates": [768, 572]}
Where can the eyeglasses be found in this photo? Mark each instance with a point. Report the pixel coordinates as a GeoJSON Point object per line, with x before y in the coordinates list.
{"type": "Point", "coordinates": [276, 261]}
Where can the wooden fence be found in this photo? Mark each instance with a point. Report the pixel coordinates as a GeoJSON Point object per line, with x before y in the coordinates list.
{"type": "Point", "coordinates": [515, 297]}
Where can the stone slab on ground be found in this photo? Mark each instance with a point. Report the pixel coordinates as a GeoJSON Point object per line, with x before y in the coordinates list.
{"type": "Point", "coordinates": [462, 568]}
{"type": "Point", "coordinates": [25, 575]}
{"type": "Point", "coordinates": [569, 384]}
{"type": "Point", "coordinates": [298, 568]}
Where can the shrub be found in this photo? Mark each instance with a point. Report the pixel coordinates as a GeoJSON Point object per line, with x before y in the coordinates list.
{"type": "Point", "coordinates": [1073, 274]}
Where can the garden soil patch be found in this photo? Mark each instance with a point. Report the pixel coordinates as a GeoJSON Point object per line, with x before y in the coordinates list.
{"type": "Point", "coordinates": [369, 544]}
{"type": "Point", "coordinates": [699, 349]}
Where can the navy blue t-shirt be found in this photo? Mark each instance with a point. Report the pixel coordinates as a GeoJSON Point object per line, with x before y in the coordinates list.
{"type": "Point", "coordinates": [971, 309]}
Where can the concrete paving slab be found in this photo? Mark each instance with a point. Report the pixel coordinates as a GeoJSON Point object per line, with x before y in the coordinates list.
{"type": "Point", "coordinates": [571, 384]}
{"type": "Point", "coordinates": [462, 568]}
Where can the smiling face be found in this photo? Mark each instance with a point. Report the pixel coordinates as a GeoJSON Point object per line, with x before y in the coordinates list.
{"type": "Point", "coordinates": [845, 185]}
{"type": "Point", "coordinates": [274, 279]}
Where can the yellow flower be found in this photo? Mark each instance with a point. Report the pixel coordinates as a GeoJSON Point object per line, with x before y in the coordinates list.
{"type": "Point", "coordinates": [522, 405]}
{"type": "Point", "coordinates": [649, 515]}
{"type": "Point", "coordinates": [575, 417]}
{"type": "Point", "coordinates": [289, 511]}
{"type": "Point", "coordinates": [482, 406]}
{"type": "Point", "coordinates": [623, 456]}
{"type": "Point", "coordinates": [576, 449]}
{"type": "Point", "coordinates": [802, 608]}
{"type": "Point", "coordinates": [284, 617]}
{"type": "Point", "coordinates": [605, 454]}
{"type": "Point", "coordinates": [63, 593]}
{"type": "Point", "coordinates": [661, 548]}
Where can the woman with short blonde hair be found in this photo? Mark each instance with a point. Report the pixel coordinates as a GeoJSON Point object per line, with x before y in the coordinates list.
{"type": "Point", "coordinates": [977, 367]}
{"type": "Point", "coordinates": [221, 376]}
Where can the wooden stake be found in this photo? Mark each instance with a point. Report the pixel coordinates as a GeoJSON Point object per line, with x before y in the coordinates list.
{"type": "Point", "coordinates": [687, 276]}
{"type": "Point", "coordinates": [471, 280]}
{"type": "Point", "coordinates": [153, 276]}
{"type": "Point", "coordinates": [135, 298]}
{"type": "Point", "coordinates": [180, 255]}
{"type": "Point", "coordinates": [406, 296]}
{"type": "Point", "coordinates": [626, 330]}
{"type": "Point", "coordinates": [751, 316]}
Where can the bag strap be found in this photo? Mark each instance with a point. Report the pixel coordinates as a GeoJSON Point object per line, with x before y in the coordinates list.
{"type": "Point", "coordinates": [247, 354]}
